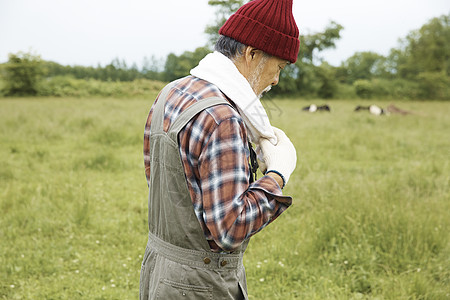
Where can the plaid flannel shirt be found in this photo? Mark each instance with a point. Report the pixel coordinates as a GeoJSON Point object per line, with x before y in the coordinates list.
{"type": "Point", "coordinates": [215, 157]}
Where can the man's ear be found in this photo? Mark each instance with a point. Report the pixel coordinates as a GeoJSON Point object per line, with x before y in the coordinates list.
{"type": "Point", "coordinates": [251, 54]}
{"type": "Point", "coordinates": [247, 61]}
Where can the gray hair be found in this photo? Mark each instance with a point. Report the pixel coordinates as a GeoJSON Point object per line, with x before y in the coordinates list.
{"type": "Point", "coordinates": [229, 47]}
{"type": "Point", "coordinates": [232, 48]}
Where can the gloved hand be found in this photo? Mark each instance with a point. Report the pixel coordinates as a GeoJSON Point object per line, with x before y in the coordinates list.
{"type": "Point", "coordinates": [281, 157]}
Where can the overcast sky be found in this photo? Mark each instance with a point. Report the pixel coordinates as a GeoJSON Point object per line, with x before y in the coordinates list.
{"type": "Point", "coordinates": [88, 32]}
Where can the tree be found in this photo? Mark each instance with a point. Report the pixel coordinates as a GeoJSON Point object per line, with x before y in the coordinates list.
{"type": "Point", "coordinates": [364, 65]}
{"type": "Point", "coordinates": [23, 72]}
{"type": "Point", "coordinates": [225, 8]}
{"type": "Point", "coordinates": [179, 66]}
{"type": "Point", "coordinates": [424, 50]}
{"type": "Point", "coordinates": [326, 75]}
{"type": "Point", "coordinates": [304, 76]}
{"type": "Point", "coordinates": [311, 44]}
{"type": "Point", "coordinates": [423, 59]}
{"type": "Point", "coordinates": [434, 85]}
{"type": "Point", "coordinates": [151, 68]}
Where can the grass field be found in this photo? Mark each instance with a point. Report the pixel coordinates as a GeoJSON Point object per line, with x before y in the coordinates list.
{"type": "Point", "coordinates": [370, 219]}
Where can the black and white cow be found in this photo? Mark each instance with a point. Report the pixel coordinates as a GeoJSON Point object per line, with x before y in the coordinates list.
{"type": "Point", "coordinates": [314, 108]}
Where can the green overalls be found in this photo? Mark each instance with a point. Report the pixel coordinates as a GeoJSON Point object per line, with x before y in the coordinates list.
{"type": "Point", "coordinates": [178, 262]}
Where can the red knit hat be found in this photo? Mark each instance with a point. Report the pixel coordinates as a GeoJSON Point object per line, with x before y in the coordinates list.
{"type": "Point", "coordinates": [267, 25]}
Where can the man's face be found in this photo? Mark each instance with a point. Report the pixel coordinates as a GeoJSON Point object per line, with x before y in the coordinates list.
{"type": "Point", "coordinates": [266, 74]}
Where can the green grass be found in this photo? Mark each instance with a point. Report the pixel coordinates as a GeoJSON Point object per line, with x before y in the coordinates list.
{"type": "Point", "coordinates": [370, 218]}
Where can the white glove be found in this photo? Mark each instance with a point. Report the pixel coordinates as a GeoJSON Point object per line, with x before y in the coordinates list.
{"type": "Point", "coordinates": [281, 157]}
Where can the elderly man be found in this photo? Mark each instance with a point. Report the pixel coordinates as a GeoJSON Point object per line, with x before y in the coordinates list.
{"type": "Point", "coordinates": [204, 201]}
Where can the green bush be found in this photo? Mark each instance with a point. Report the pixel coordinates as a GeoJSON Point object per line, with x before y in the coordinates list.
{"type": "Point", "coordinates": [345, 91]}
{"type": "Point", "coordinates": [65, 86]}
{"type": "Point", "coordinates": [395, 89]}
{"type": "Point", "coordinates": [2, 88]}
{"type": "Point", "coordinates": [434, 85]}
{"type": "Point", "coordinates": [363, 88]}
{"type": "Point", "coordinates": [328, 87]}
{"type": "Point", "coordinates": [22, 73]}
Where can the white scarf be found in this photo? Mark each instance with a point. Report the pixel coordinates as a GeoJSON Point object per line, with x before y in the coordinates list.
{"type": "Point", "coordinates": [221, 71]}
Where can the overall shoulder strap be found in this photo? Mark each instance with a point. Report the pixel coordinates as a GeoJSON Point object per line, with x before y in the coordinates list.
{"type": "Point", "coordinates": [158, 109]}
{"type": "Point", "coordinates": [191, 112]}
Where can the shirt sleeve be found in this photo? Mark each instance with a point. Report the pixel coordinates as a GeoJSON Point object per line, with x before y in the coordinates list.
{"type": "Point", "coordinates": [234, 209]}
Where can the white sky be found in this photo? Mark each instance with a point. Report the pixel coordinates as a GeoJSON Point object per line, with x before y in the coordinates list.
{"type": "Point", "coordinates": [88, 32]}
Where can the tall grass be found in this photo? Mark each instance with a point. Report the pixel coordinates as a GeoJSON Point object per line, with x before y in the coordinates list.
{"type": "Point", "coordinates": [370, 218]}
{"type": "Point", "coordinates": [371, 212]}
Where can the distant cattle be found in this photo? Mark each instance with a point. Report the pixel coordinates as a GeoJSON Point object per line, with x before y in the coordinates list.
{"type": "Point", "coordinates": [373, 109]}
{"type": "Point", "coordinates": [391, 109]}
{"type": "Point", "coordinates": [395, 110]}
{"type": "Point", "coordinates": [314, 108]}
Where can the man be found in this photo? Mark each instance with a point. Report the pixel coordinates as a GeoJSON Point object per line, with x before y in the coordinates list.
{"type": "Point", "coordinates": [204, 203]}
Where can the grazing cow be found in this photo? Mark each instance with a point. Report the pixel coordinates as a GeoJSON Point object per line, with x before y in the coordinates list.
{"type": "Point", "coordinates": [395, 110]}
{"type": "Point", "coordinates": [314, 108]}
{"type": "Point", "coordinates": [373, 109]}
